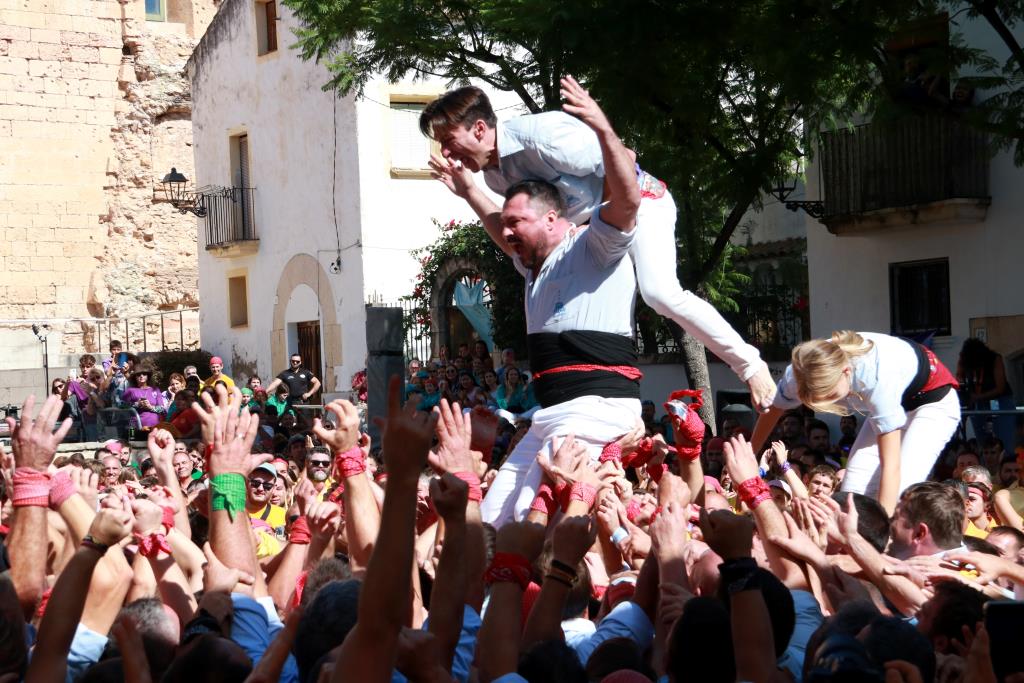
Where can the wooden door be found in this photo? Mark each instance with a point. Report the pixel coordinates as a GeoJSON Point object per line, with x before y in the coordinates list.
{"type": "Point", "coordinates": [309, 349]}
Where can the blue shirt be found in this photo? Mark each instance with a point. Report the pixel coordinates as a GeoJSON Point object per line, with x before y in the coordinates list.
{"type": "Point", "coordinates": [879, 379]}
{"type": "Point", "coordinates": [254, 626]}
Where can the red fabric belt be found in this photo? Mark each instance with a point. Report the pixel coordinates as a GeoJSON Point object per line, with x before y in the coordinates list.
{"type": "Point", "coordinates": [627, 371]}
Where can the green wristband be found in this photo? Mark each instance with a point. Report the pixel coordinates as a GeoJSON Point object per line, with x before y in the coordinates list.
{"type": "Point", "coordinates": [227, 492]}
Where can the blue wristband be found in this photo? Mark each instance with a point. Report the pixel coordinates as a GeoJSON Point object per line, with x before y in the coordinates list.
{"type": "Point", "coordinates": [619, 535]}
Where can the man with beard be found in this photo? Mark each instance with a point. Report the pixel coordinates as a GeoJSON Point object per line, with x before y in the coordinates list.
{"type": "Point", "coordinates": [318, 470]}
{"type": "Point", "coordinates": [268, 516]}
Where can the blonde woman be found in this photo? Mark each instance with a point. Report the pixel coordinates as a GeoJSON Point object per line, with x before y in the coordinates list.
{"type": "Point", "coordinates": [906, 395]}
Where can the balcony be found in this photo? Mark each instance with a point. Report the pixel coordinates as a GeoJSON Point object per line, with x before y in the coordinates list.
{"type": "Point", "coordinates": [230, 221]}
{"type": "Point", "coordinates": [918, 170]}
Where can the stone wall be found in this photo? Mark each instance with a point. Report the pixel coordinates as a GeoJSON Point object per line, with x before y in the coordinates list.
{"type": "Point", "coordinates": [94, 110]}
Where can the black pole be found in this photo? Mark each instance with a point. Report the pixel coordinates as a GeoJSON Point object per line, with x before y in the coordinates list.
{"type": "Point", "coordinates": [46, 366]}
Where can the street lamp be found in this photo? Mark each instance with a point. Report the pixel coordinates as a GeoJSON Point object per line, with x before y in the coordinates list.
{"type": "Point", "coordinates": [179, 197]}
{"type": "Point", "coordinates": [41, 334]}
{"type": "Point", "coordinates": [785, 184]}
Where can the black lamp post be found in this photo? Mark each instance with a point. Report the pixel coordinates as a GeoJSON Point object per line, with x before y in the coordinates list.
{"type": "Point", "coordinates": [180, 198]}
{"type": "Point", "coordinates": [785, 184]}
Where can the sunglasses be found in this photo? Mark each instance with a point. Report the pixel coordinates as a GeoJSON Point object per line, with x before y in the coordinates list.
{"type": "Point", "coordinates": [324, 464]}
{"type": "Point", "coordinates": [296, 362]}
{"type": "Point", "coordinates": [266, 485]}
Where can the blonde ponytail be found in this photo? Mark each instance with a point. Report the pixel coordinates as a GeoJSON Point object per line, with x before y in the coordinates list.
{"type": "Point", "coordinates": [818, 367]}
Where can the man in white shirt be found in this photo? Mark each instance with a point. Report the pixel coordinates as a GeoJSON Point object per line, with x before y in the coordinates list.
{"type": "Point", "coordinates": [563, 151]}
{"type": "Point", "coordinates": [579, 304]}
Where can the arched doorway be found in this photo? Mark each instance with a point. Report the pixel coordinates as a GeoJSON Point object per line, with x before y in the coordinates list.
{"type": "Point", "coordinates": [451, 326]}
{"type": "Point", "coordinates": [302, 288]}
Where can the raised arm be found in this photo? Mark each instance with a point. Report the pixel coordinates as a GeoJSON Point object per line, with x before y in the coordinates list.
{"type": "Point", "coordinates": [34, 444]}
{"type": "Point", "coordinates": [368, 653]}
{"type": "Point", "coordinates": [763, 428]}
{"type": "Point", "coordinates": [57, 630]}
{"type": "Point", "coordinates": [362, 517]}
{"type": "Point", "coordinates": [160, 445]}
{"type": "Point", "coordinates": [619, 165]}
{"type": "Point", "coordinates": [449, 495]}
{"type": "Point", "coordinates": [459, 180]}
{"type": "Point", "coordinates": [231, 433]}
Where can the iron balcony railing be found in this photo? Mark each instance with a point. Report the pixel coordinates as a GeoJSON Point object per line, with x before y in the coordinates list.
{"type": "Point", "coordinates": [914, 160]}
{"type": "Point", "coordinates": [230, 216]}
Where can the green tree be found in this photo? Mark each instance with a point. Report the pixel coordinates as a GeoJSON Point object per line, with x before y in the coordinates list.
{"type": "Point", "coordinates": [716, 97]}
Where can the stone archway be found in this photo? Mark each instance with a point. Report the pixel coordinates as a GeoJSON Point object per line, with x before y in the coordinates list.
{"type": "Point", "coordinates": [303, 269]}
{"type": "Point", "coordinates": [440, 296]}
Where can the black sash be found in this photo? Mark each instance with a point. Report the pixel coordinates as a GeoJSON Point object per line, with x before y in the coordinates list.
{"type": "Point", "coordinates": [549, 350]}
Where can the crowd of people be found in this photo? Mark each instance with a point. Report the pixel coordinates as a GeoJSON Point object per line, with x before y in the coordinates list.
{"type": "Point", "coordinates": [512, 527]}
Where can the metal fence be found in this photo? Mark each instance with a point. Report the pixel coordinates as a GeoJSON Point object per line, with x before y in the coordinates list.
{"type": "Point", "coordinates": [417, 343]}
{"type": "Point", "coordinates": [230, 216]}
{"type": "Point", "coordinates": [914, 160]}
{"type": "Point", "coordinates": [774, 318]}
{"type": "Point", "coordinates": [159, 331]}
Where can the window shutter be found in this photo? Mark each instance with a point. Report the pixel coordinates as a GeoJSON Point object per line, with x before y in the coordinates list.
{"type": "Point", "coordinates": [271, 9]}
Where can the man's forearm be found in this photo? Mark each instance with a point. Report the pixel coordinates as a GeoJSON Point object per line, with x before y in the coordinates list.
{"type": "Point", "coordinates": [489, 214]}
{"type": "Point", "coordinates": [362, 519]}
{"type": "Point", "coordinates": [57, 630]}
{"type": "Point", "coordinates": [27, 545]}
{"type": "Point", "coordinates": [620, 174]}
{"type": "Point", "coordinates": [498, 640]}
{"type": "Point", "coordinates": [232, 542]}
{"type": "Point", "coordinates": [763, 428]}
{"type": "Point", "coordinates": [388, 572]}
{"type": "Point", "coordinates": [889, 481]}
{"type": "Point", "coordinates": [449, 592]}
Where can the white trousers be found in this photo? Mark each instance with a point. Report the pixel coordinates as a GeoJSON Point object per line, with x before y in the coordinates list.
{"type": "Point", "coordinates": [593, 420]}
{"type": "Point", "coordinates": [654, 256]}
{"type": "Point", "coordinates": [922, 439]}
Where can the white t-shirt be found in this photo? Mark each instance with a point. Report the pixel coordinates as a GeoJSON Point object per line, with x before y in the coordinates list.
{"type": "Point", "coordinates": [586, 283]}
{"type": "Point", "coordinates": [555, 147]}
{"type": "Point", "coordinates": [876, 389]}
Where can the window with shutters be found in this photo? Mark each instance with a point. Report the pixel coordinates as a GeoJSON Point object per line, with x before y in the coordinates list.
{"type": "Point", "coordinates": [410, 149]}
{"type": "Point", "coordinates": [919, 298]}
{"type": "Point", "coordinates": [266, 26]}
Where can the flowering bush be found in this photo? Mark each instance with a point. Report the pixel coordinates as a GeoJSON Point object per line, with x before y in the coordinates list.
{"type": "Point", "coordinates": [359, 385]}
{"type": "Point", "coordinates": [469, 241]}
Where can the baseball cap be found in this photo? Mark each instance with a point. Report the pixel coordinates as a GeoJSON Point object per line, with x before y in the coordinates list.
{"type": "Point", "coordinates": [779, 484]}
{"type": "Point", "coordinates": [266, 467]}
{"type": "Point", "coordinates": [217, 360]}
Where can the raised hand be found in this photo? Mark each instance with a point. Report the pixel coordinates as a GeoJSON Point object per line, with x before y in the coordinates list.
{"type": "Point", "coordinates": [780, 452]}
{"type": "Point", "coordinates": [111, 524]}
{"type": "Point", "coordinates": [729, 535]}
{"type": "Point", "coordinates": [483, 430]}
{"type": "Point", "coordinates": [762, 389]}
{"type": "Point", "coordinates": [324, 518]}
{"type": "Point", "coordinates": [219, 578]}
{"type": "Point", "coordinates": [740, 462]}
{"type": "Point", "coordinates": [160, 445]}
{"type": "Point", "coordinates": [454, 176]}
{"type": "Point", "coordinates": [305, 496]}
{"type": "Point", "coordinates": [148, 517]}
{"type": "Point", "coordinates": [449, 495]}
{"type": "Point", "coordinates": [453, 438]}
{"type": "Point", "coordinates": [33, 440]}
{"type": "Point", "coordinates": [521, 538]}
{"type": "Point", "coordinates": [570, 464]}
{"type": "Point", "coordinates": [407, 435]}
{"type": "Point", "coordinates": [87, 484]}
{"type": "Point", "coordinates": [573, 537]}
{"type": "Point", "coordinates": [346, 434]}
{"type": "Point", "coordinates": [668, 531]}
{"type": "Point", "coordinates": [230, 432]}
{"type": "Point", "coordinates": [580, 104]}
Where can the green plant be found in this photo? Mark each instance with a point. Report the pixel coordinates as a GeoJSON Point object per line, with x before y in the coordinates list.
{"type": "Point", "coordinates": [468, 241]}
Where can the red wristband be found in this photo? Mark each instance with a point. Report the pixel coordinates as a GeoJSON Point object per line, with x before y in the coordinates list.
{"type": "Point", "coordinates": [753, 492]}
{"type": "Point", "coordinates": [654, 515]}
{"type": "Point", "coordinates": [611, 451]}
{"type": "Point", "coordinates": [300, 534]}
{"type": "Point", "coordinates": [350, 463]}
{"type": "Point", "coordinates": [31, 488]}
{"type": "Point", "coordinates": [61, 488]}
{"type": "Point", "coordinates": [642, 455]}
{"type": "Point", "coordinates": [168, 517]}
{"type": "Point", "coordinates": [545, 501]}
{"type": "Point", "coordinates": [509, 568]}
{"type": "Point", "coordinates": [476, 494]}
{"type": "Point", "coordinates": [153, 544]}
{"type": "Point", "coordinates": [583, 492]}
{"type": "Point", "coordinates": [633, 510]}
{"type": "Point", "coordinates": [655, 471]}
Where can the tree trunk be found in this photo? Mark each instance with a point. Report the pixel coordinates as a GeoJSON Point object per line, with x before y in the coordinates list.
{"type": "Point", "coordinates": [695, 361]}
